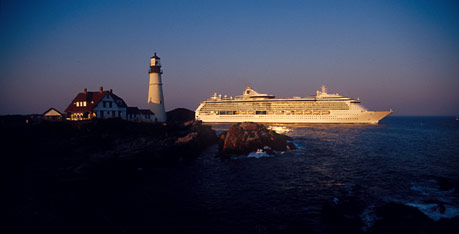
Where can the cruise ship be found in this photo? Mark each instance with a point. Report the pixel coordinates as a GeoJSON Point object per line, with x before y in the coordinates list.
{"type": "Point", "coordinates": [252, 106]}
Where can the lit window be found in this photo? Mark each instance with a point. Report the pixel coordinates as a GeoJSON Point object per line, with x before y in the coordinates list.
{"type": "Point", "coordinates": [77, 103]}
{"type": "Point", "coordinates": [84, 103]}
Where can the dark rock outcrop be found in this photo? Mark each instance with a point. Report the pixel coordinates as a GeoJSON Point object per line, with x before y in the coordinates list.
{"type": "Point", "coordinates": [197, 138]}
{"type": "Point", "coordinates": [445, 184]}
{"type": "Point", "coordinates": [343, 215]}
{"type": "Point", "coordinates": [399, 218]}
{"type": "Point", "coordinates": [352, 214]}
{"type": "Point", "coordinates": [243, 138]}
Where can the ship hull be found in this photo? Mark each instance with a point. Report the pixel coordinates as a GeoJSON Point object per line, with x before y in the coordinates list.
{"type": "Point", "coordinates": [365, 117]}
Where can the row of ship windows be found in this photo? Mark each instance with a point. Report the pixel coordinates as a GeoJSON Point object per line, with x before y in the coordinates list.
{"type": "Point", "coordinates": [275, 104]}
{"type": "Point", "coordinates": [335, 102]}
{"type": "Point", "coordinates": [290, 117]}
{"type": "Point", "coordinates": [261, 108]}
{"type": "Point", "coordinates": [271, 112]}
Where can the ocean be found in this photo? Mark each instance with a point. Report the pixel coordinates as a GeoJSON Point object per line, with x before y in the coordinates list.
{"type": "Point", "coordinates": [402, 159]}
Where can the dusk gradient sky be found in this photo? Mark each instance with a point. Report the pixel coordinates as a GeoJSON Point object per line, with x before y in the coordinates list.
{"type": "Point", "coordinates": [402, 55]}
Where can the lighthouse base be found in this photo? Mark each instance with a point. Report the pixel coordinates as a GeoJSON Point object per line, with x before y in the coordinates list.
{"type": "Point", "coordinates": [158, 110]}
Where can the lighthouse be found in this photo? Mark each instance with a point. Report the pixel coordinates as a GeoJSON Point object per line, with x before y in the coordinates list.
{"type": "Point", "coordinates": [155, 90]}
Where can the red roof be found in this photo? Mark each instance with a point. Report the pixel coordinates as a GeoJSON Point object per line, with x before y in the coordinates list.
{"type": "Point", "coordinates": [92, 99]}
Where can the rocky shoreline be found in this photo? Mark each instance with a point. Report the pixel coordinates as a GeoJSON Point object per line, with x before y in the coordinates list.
{"type": "Point", "coordinates": [99, 140]}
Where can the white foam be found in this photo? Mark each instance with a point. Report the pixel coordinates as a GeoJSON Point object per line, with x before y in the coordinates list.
{"type": "Point", "coordinates": [420, 189]}
{"type": "Point", "coordinates": [259, 154]}
{"type": "Point", "coordinates": [368, 217]}
{"type": "Point", "coordinates": [298, 146]}
{"type": "Point", "coordinates": [335, 200]}
{"type": "Point", "coordinates": [279, 129]}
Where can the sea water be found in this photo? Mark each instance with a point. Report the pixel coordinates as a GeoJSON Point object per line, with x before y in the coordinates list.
{"type": "Point", "coordinates": [401, 160]}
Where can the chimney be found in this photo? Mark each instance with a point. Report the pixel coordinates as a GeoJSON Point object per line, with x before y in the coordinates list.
{"type": "Point", "coordinates": [85, 90]}
{"type": "Point", "coordinates": [101, 89]}
{"type": "Point", "coordinates": [111, 90]}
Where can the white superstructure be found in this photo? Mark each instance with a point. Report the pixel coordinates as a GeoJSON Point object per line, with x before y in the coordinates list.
{"type": "Point", "coordinates": [252, 106]}
{"type": "Point", "coordinates": [155, 90]}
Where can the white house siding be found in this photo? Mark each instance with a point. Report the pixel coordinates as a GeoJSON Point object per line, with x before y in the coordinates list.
{"type": "Point", "coordinates": [109, 108]}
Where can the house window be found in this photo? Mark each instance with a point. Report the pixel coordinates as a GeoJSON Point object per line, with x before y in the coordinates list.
{"type": "Point", "coordinates": [110, 104]}
{"type": "Point", "coordinates": [77, 103]}
{"type": "Point", "coordinates": [101, 114]}
{"type": "Point", "coordinates": [104, 104]}
{"type": "Point", "coordinates": [113, 112]}
{"type": "Point", "coordinates": [84, 103]}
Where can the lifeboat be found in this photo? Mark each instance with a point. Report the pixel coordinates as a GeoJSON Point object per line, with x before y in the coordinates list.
{"type": "Point", "coordinates": [251, 112]}
{"type": "Point", "coordinates": [308, 112]}
{"type": "Point", "coordinates": [270, 112]}
{"type": "Point", "coordinates": [326, 112]}
{"type": "Point", "coordinates": [298, 112]}
{"type": "Point", "coordinates": [316, 112]}
{"type": "Point", "coordinates": [243, 112]}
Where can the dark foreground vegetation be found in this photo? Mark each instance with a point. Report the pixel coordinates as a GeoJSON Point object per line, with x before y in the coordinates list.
{"type": "Point", "coordinates": [66, 176]}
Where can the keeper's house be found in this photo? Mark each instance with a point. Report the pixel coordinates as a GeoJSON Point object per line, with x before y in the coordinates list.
{"type": "Point", "coordinates": [102, 104]}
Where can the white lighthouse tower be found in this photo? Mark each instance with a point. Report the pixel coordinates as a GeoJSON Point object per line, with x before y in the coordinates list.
{"type": "Point", "coordinates": [155, 90]}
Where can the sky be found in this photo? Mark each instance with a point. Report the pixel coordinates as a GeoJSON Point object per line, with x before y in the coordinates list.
{"type": "Point", "coordinates": [402, 55]}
